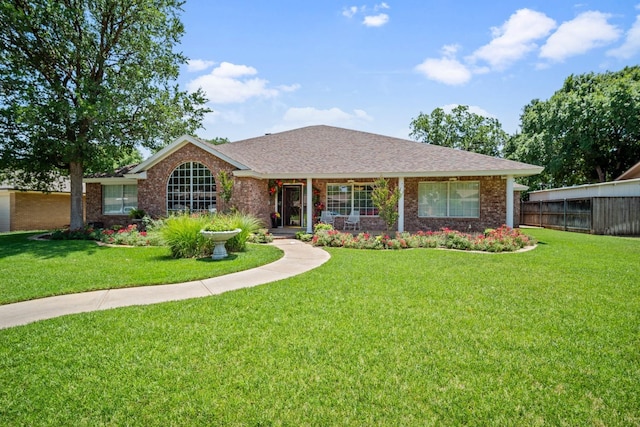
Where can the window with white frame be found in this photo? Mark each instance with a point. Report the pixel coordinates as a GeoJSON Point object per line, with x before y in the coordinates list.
{"type": "Point", "coordinates": [119, 199]}
{"type": "Point", "coordinates": [449, 199]}
{"type": "Point", "coordinates": [343, 198]}
{"type": "Point", "coordinates": [192, 187]}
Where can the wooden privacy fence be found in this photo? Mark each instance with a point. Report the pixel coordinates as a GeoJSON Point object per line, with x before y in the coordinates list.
{"type": "Point", "coordinates": [597, 215]}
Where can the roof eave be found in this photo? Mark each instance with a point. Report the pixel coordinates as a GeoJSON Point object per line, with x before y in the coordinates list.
{"type": "Point", "coordinates": [373, 175]}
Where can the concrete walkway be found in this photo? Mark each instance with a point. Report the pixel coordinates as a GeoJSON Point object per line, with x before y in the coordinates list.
{"type": "Point", "coordinates": [298, 258]}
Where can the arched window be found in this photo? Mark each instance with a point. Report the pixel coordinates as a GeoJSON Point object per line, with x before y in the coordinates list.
{"type": "Point", "coordinates": [191, 187]}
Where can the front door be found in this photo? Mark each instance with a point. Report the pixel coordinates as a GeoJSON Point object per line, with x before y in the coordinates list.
{"type": "Point", "coordinates": [293, 205]}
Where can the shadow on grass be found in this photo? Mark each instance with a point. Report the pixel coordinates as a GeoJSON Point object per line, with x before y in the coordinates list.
{"type": "Point", "coordinates": [14, 244]}
{"type": "Point", "coordinates": [230, 257]}
{"type": "Point", "coordinates": [168, 257]}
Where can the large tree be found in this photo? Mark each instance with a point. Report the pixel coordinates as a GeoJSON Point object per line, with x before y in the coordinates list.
{"type": "Point", "coordinates": [461, 129]}
{"type": "Point", "coordinates": [85, 82]}
{"type": "Point", "coordinates": [588, 131]}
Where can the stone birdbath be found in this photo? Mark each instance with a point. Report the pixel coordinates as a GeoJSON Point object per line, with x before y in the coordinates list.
{"type": "Point", "coordinates": [219, 238]}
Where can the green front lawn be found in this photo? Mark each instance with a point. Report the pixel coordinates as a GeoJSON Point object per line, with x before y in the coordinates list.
{"type": "Point", "coordinates": [401, 338]}
{"type": "Point", "coordinates": [33, 269]}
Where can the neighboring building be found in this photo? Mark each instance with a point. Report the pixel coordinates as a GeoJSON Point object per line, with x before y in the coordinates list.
{"type": "Point", "coordinates": [603, 208]}
{"type": "Point", "coordinates": [301, 172]}
{"type": "Point", "coordinates": [22, 210]}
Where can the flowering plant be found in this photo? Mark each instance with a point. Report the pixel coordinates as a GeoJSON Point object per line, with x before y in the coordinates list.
{"type": "Point", "coordinates": [274, 185]}
{"type": "Point", "coordinates": [275, 215]}
{"type": "Point", "coordinates": [503, 239]}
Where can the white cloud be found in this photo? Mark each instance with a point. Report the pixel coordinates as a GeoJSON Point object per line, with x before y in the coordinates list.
{"type": "Point", "coordinates": [349, 12]}
{"type": "Point", "coordinates": [631, 45]}
{"type": "Point", "coordinates": [514, 39]}
{"type": "Point", "coordinates": [229, 70]}
{"type": "Point", "coordinates": [289, 88]}
{"type": "Point", "coordinates": [376, 20]}
{"type": "Point", "coordinates": [369, 20]}
{"type": "Point", "coordinates": [229, 83]}
{"type": "Point", "coordinates": [587, 31]}
{"type": "Point", "coordinates": [448, 70]}
{"type": "Point", "coordinates": [308, 116]}
{"type": "Point", "coordinates": [450, 50]}
{"type": "Point", "coordinates": [472, 109]}
{"type": "Point", "coordinates": [198, 65]}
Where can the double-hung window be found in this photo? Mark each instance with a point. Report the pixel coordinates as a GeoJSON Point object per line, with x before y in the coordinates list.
{"type": "Point", "coordinates": [344, 198]}
{"type": "Point", "coordinates": [119, 199]}
{"type": "Point", "coordinates": [449, 199]}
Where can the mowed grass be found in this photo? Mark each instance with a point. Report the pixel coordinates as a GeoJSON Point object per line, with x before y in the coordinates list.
{"type": "Point", "coordinates": [33, 269]}
{"type": "Point", "coordinates": [411, 338]}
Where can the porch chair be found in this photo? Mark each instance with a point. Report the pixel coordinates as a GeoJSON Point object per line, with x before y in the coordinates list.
{"type": "Point", "coordinates": [353, 220]}
{"type": "Point", "coordinates": [327, 218]}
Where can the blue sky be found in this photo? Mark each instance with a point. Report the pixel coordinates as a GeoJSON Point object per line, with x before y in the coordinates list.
{"type": "Point", "coordinates": [374, 66]}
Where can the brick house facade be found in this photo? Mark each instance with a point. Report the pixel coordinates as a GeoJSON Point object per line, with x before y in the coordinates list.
{"type": "Point", "coordinates": [327, 159]}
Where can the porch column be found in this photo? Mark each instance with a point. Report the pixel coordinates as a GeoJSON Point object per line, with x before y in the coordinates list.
{"type": "Point", "coordinates": [401, 205]}
{"type": "Point", "coordinates": [309, 205]}
{"type": "Point", "coordinates": [509, 221]}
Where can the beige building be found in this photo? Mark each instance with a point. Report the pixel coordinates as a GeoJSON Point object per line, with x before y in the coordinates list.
{"type": "Point", "coordinates": [33, 210]}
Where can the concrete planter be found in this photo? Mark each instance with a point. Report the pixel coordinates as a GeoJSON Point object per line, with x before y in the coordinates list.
{"type": "Point", "coordinates": [219, 238]}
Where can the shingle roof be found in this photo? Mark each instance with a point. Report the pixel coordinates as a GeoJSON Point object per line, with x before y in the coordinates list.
{"type": "Point", "coordinates": [326, 151]}
{"type": "Point", "coordinates": [633, 172]}
{"type": "Point", "coordinates": [118, 173]}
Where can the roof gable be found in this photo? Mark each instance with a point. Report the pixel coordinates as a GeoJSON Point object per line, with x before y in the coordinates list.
{"type": "Point", "coordinates": [178, 144]}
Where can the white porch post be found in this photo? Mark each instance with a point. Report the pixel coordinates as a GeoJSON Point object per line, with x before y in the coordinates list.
{"type": "Point", "coordinates": [309, 206]}
{"type": "Point", "coordinates": [401, 205]}
{"type": "Point", "coordinates": [509, 221]}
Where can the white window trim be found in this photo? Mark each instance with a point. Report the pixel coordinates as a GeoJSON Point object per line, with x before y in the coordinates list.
{"type": "Point", "coordinates": [449, 199]}
{"type": "Point", "coordinates": [352, 185]}
{"type": "Point", "coordinates": [122, 198]}
{"type": "Point", "coordinates": [191, 186]}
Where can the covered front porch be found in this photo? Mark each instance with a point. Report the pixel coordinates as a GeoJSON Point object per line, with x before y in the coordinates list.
{"type": "Point", "coordinates": [297, 204]}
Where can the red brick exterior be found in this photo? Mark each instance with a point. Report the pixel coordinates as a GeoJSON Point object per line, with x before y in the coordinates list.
{"type": "Point", "coordinates": [493, 190]}
{"type": "Point", "coordinates": [252, 196]}
{"type": "Point", "coordinates": [249, 195]}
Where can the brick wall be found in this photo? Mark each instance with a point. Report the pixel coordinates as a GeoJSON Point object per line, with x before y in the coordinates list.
{"type": "Point", "coordinates": [252, 196]}
{"type": "Point", "coordinates": [39, 211]}
{"type": "Point", "coordinates": [249, 195]}
{"type": "Point", "coordinates": [492, 206]}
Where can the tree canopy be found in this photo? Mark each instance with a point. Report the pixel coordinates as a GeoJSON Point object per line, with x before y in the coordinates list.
{"type": "Point", "coordinates": [460, 129]}
{"type": "Point", "coordinates": [588, 131]}
{"type": "Point", "coordinates": [85, 82]}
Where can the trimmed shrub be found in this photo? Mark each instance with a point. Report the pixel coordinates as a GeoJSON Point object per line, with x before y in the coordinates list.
{"type": "Point", "coordinates": [260, 236]}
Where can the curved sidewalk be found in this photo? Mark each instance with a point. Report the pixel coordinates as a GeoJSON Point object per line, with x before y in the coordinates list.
{"type": "Point", "coordinates": [298, 258]}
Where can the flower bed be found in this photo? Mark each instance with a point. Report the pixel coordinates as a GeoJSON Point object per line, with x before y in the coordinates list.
{"type": "Point", "coordinates": [129, 235]}
{"type": "Point", "coordinates": [503, 239]}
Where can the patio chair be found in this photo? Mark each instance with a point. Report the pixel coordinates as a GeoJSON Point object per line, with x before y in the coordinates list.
{"type": "Point", "coordinates": [352, 221]}
{"type": "Point", "coordinates": [327, 218]}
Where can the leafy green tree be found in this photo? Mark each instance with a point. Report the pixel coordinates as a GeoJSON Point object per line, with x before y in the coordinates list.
{"type": "Point", "coordinates": [588, 131]}
{"type": "Point", "coordinates": [85, 82]}
{"type": "Point", "coordinates": [386, 200]}
{"type": "Point", "coordinates": [218, 140]}
{"type": "Point", "coordinates": [460, 129]}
